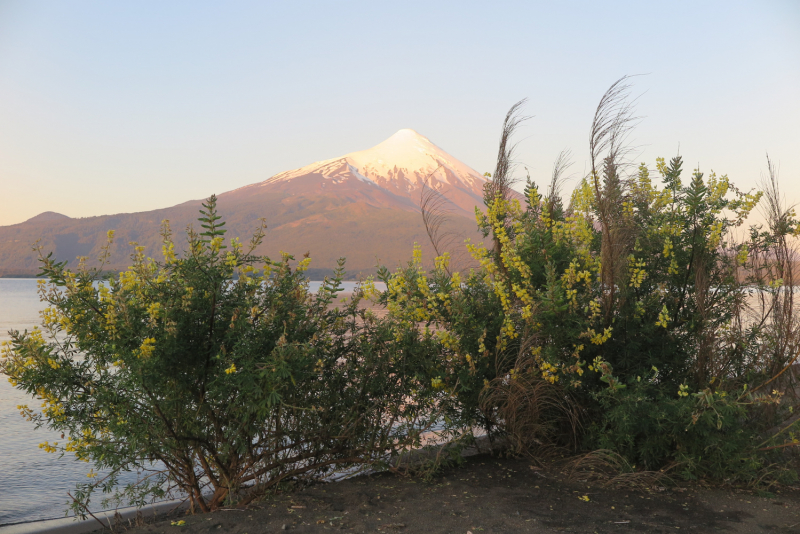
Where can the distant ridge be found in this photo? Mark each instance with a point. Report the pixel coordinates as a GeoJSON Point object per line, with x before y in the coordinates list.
{"type": "Point", "coordinates": [363, 206]}
{"type": "Point", "coordinates": [47, 216]}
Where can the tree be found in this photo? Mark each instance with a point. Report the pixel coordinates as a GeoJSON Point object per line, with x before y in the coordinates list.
{"type": "Point", "coordinates": [216, 374]}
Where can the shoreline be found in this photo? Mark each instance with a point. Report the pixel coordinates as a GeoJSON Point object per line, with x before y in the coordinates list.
{"type": "Point", "coordinates": [487, 494]}
{"type": "Point", "coordinates": [71, 525]}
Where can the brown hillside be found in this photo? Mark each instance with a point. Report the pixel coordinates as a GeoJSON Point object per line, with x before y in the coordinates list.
{"type": "Point", "coordinates": [363, 223]}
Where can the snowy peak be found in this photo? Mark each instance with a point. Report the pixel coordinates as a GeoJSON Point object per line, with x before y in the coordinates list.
{"type": "Point", "coordinates": [412, 157]}
{"type": "Point", "coordinates": [407, 158]}
{"type": "Point", "coordinates": [402, 165]}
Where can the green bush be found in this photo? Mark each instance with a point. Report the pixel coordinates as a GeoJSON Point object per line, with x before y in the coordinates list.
{"type": "Point", "coordinates": [708, 434]}
{"type": "Point", "coordinates": [210, 377]}
{"type": "Point", "coordinates": [416, 300]}
{"type": "Point", "coordinates": [593, 297]}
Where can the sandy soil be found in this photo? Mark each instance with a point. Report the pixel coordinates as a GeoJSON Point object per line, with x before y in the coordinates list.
{"type": "Point", "coordinates": [489, 494]}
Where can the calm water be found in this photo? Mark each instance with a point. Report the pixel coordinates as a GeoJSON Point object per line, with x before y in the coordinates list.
{"type": "Point", "coordinates": [33, 483]}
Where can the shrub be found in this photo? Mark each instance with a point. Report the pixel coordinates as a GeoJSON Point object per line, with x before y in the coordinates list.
{"type": "Point", "coordinates": [635, 302]}
{"type": "Point", "coordinates": [707, 434]}
{"type": "Point", "coordinates": [210, 377]}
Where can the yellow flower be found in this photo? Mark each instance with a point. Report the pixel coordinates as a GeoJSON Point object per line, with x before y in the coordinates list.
{"type": "Point", "coordinates": [741, 256]}
{"type": "Point", "coordinates": [599, 338]}
{"type": "Point", "coordinates": [667, 248]}
{"type": "Point", "coordinates": [147, 348]}
{"type": "Point", "coordinates": [442, 262]}
{"type": "Point", "coordinates": [303, 265]}
{"type": "Point", "coordinates": [153, 310]}
{"type": "Point", "coordinates": [417, 255]}
{"type": "Point", "coordinates": [47, 447]}
{"type": "Point", "coordinates": [230, 370]}
{"type": "Point", "coordinates": [663, 317]}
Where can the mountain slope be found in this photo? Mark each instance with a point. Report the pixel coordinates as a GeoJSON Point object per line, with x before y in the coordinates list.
{"type": "Point", "coordinates": [363, 206]}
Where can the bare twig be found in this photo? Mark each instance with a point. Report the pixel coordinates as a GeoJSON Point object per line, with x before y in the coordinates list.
{"type": "Point", "coordinates": [86, 509]}
{"type": "Point", "coordinates": [608, 148]}
{"type": "Point", "coordinates": [503, 179]}
{"type": "Point", "coordinates": [562, 163]}
{"type": "Point", "coordinates": [435, 208]}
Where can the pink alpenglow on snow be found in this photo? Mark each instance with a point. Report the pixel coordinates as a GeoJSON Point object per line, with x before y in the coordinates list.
{"type": "Point", "coordinates": [402, 165]}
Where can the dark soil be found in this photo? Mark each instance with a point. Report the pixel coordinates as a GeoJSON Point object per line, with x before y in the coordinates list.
{"type": "Point", "coordinates": [489, 494]}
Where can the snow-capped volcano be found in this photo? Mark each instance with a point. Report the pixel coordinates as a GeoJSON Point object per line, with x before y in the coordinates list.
{"type": "Point", "coordinates": [364, 206]}
{"type": "Point", "coordinates": [402, 165]}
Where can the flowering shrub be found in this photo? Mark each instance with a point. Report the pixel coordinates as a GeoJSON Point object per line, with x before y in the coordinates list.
{"type": "Point", "coordinates": [460, 318]}
{"type": "Point", "coordinates": [216, 373]}
{"type": "Point", "coordinates": [623, 321]}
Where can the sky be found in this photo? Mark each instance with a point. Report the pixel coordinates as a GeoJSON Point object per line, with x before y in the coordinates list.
{"type": "Point", "coordinates": [109, 107]}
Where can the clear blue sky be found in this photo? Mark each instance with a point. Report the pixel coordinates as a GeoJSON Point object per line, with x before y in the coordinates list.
{"type": "Point", "coordinates": [118, 106]}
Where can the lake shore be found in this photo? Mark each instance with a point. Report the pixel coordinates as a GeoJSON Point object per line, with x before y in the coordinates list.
{"type": "Point", "coordinates": [492, 494]}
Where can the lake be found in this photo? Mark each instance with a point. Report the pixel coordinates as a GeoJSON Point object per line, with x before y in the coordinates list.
{"type": "Point", "coordinates": [33, 483]}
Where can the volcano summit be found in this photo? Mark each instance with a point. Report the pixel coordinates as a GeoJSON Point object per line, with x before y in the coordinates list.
{"type": "Point", "coordinates": [401, 165]}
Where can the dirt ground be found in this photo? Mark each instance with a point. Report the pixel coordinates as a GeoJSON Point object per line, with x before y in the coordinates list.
{"type": "Point", "coordinates": [490, 494]}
